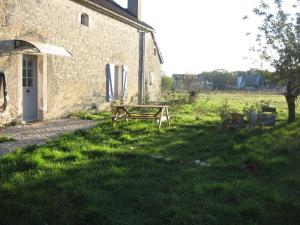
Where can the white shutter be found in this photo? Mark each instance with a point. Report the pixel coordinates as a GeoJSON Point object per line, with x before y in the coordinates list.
{"type": "Point", "coordinates": [125, 82]}
{"type": "Point", "coordinates": [151, 77]}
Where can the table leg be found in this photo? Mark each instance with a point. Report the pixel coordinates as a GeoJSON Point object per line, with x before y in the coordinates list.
{"type": "Point", "coordinates": [114, 118]}
{"type": "Point", "coordinates": [168, 116]}
{"type": "Point", "coordinates": [160, 118]}
{"type": "Point", "coordinates": [117, 116]}
{"type": "Point", "coordinates": [126, 114]}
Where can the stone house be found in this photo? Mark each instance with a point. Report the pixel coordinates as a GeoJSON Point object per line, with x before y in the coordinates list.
{"type": "Point", "coordinates": [249, 80]}
{"type": "Point", "coordinates": [61, 56]}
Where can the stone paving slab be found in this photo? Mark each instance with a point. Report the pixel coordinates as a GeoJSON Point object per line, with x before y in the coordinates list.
{"type": "Point", "coordinates": [39, 133]}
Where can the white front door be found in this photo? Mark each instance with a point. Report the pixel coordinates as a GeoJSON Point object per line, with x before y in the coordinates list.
{"type": "Point", "coordinates": [29, 88]}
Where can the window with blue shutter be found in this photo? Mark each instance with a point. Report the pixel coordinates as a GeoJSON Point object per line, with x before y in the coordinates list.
{"type": "Point", "coordinates": [116, 82]}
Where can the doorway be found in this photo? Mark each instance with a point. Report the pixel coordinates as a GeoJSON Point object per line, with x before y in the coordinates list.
{"type": "Point", "coordinates": [29, 83]}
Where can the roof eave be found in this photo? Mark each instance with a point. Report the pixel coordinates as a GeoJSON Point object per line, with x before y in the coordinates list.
{"type": "Point", "coordinates": [114, 15]}
{"type": "Point", "coordinates": [160, 56]}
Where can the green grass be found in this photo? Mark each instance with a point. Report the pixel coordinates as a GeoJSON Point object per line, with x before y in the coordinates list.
{"type": "Point", "coordinates": [4, 138]}
{"type": "Point", "coordinates": [137, 175]}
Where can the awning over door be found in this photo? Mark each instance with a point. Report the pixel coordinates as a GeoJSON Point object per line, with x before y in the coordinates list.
{"type": "Point", "coordinates": [21, 46]}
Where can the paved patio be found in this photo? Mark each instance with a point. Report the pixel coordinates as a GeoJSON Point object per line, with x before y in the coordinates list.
{"type": "Point", "coordinates": [39, 133]}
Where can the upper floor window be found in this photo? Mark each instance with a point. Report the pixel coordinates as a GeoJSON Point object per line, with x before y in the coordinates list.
{"type": "Point", "coordinates": [85, 19]}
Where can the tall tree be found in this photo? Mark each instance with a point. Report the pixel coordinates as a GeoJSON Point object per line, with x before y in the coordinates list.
{"type": "Point", "coordinates": [166, 84]}
{"type": "Point", "coordinates": [220, 78]}
{"type": "Point", "coordinates": [279, 45]}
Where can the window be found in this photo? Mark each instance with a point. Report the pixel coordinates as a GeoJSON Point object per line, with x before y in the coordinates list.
{"type": "Point", "coordinates": [85, 20]}
{"type": "Point", "coordinates": [116, 82]}
{"type": "Point", "coordinates": [27, 72]}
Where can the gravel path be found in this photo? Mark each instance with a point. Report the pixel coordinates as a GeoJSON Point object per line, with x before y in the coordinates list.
{"type": "Point", "coordinates": [39, 133]}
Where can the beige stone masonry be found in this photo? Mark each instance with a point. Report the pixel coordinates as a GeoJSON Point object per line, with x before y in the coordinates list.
{"type": "Point", "coordinates": [2, 14]}
{"type": "Point", "coordinates": [72, 84]}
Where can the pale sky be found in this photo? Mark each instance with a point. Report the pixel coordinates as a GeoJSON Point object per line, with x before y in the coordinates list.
{"type": "Point", "coordinates": [203, 35]}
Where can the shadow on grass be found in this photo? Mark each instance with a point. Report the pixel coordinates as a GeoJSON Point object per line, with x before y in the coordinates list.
{"type": "Point", "coordinates": [109, 176]}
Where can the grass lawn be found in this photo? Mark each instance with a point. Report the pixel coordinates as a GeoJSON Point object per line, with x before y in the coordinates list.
{"type": "Point", "coordinates": [137, 175]}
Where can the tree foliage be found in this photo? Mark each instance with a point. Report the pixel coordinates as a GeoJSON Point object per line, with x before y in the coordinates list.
{"type": "Point", "coordinates": [220, 79]}
{"type": "Point", "coordinates": [166, 84]}
{"type": "Point", "coordinates": [278, 40]}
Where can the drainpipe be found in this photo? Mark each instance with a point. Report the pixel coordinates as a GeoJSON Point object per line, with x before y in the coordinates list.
{"type": "Point", "coordinates": [298, 34]}
{"type": "Point", "coordinates": [141, 85]}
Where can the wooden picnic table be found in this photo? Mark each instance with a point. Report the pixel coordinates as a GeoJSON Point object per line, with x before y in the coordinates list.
{"type": "Point", "coordinates": [145, 112]}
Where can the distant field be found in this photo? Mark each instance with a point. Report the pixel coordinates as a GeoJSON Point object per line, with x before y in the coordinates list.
{"type": "Point", "coordinates": [189, 174]}
{"type": "Point", "coordinates": [209, 103]}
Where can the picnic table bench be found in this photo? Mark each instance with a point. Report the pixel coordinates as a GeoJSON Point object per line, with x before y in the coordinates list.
{"type": "Point", "coordinates": [159, 113]}
{"type": "Point", "coordinates": [161, 102]}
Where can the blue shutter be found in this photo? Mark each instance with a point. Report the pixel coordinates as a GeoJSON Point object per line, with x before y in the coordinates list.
{"type": "Point", "coordinates": [110, 82]}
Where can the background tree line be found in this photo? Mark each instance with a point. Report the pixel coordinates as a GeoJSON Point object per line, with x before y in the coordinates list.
{"type": "Point", "coordinates": [217, 80]}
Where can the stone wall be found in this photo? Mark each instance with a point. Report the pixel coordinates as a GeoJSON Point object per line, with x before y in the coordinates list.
{"type": "Point", "coordinates": [78, 82]}
{"type": "Point", "coordinates": [152, 69]}
{"type": "Point", "coordinates": [11, 113]}
{"type": "Point", "coordinates": [2, 14]}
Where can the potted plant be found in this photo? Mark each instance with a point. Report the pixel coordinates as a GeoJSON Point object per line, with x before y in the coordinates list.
{"type": "Point", "coordinates": [251, 113]}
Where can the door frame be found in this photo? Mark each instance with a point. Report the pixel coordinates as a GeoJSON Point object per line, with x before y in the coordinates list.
{"type": "Point", "coordinates": [34, 86]}
{"type": "Point", "coordinates": [41, 82]}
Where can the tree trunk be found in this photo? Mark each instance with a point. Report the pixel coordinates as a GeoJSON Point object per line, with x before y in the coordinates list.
{"type": "Point", "coordinates": [291, 102]}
